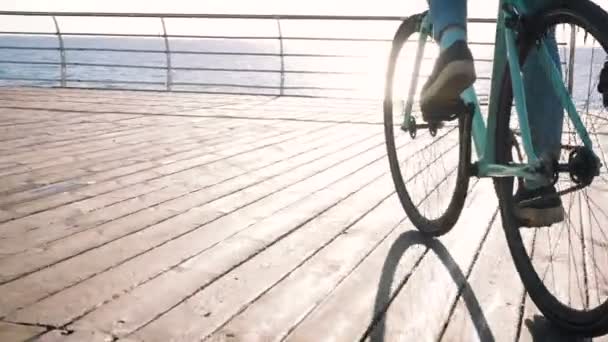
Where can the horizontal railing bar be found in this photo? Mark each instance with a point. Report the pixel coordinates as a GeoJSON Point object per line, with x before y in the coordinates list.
{"type": "Point", "coordinates": [174, 51]}
{"type": "Point", "coordinates": [481, 96]}
{"type": "Point", "coordinates": [224, 92]}
{"type": "Point", "coordinates": [185, 52]}
{"type": "Point", "coordinates": [237, 93]}
{"type": "Point", "coordinates": [174, 91]}
{"type": "Point", "coordinates": [138, 35]}
{"type": "Point", "coordinates": [278, 71]}
{"type": "Point", "coordinates": [10, 78]}
{"type": "Point", "coordinates": [275, 71]}
{"type": "Point", "coordinates": [320, 88]}
{"type": "Point", "coordinates": [327, 39]}
{"type": "Point", "coordinates": [162, 67]}
{"type": "Point", "coordinates": [113, 81]}
{"type": "Point", "coordinates": [29, 33]}
{"type": "Point", "coordinates": [139, 82]}
{"type": "Point", "coordinates": [271, 54]}
{"type": "Point", "coordinates": [252, 94]}
{"type": "Point", "coordinates": [224, 16]}
{"type": "Point", "coordinates": [112, 50]}
{"type": "Point", "coordinates": [29, 62]}
{"type": "Point", "coordinates": [233, 85]}
{"type": "Point", "coordinates": [128, 66]}
{"type": "Point", "coordinates": [208, 37]}
{"type": "Point", "coordinates": [6, 47]}
{"type": "Point", "coordinates": [190, 36]}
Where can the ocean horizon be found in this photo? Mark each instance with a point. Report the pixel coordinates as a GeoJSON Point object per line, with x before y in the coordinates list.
{"type": "Point", "coordinates": [368, 65]}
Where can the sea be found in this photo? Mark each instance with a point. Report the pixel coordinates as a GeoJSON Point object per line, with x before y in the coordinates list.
{"type": "Point", "coordinates": [349, 69]}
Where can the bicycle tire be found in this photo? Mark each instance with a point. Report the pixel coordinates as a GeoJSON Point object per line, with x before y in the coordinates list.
{"type": "Point", "coordinates": [444, 223]}
{"type": "Point", "coordinates": [583, 323]}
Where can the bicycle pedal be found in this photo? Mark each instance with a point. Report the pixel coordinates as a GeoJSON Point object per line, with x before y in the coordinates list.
{"type": "Point", "coordinates": [446, 111]}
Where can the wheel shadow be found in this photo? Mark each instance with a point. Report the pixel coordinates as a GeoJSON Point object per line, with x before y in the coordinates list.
{"type": "Point", "coordinates": [541, 329]}
{"type": "Point", "coordinates": [376, 330]}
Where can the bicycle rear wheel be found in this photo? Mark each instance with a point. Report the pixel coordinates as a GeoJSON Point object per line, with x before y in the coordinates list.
{"type": "Point", "coordinates": [565, 267]}
{"type": "Point", "coordinates": [431, 175]}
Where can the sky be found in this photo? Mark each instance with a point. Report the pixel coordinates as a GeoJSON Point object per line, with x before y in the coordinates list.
{"type": "Point", "coordinates": [356, 7]}
{"type": "Point", "coordinates": [476, 9]}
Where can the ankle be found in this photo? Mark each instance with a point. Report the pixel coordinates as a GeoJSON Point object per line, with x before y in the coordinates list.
{"type": "Point", "coordinates": [451, 35]}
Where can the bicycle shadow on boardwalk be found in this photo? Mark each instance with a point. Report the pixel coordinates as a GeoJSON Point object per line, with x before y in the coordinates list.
{"type": "Point", "coordinates": [541, 329]}
{"type": "Point", "coordinates": [376, 329]}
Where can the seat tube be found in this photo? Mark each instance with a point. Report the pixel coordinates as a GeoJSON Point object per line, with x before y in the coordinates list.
{"type": "Point", "coordinates": [498, 70]}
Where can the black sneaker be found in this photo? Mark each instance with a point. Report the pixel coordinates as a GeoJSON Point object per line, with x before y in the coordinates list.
{"type": "Point", "coordinates": [454, 71]}
{"type": "Point", "coordinates": [602, 86]}
{"type": "Point", "coordinates": [540, 207]}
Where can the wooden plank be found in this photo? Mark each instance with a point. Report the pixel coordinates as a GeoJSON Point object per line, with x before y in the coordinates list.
{"type": "Point", "coordinates": [81, 204]}
{"type": "Point", "coordinates": [56, 215]}
{"type": "Point", "coordinates": [489, 305]}
{"type": "Point", "coordinates": [102, 288]}
{"type": "Point", "coordinates": [50, 215]}
{"type": "Point", "coordinates": [18, 235]}
{"type": "Point", "coordinates": [317, 277]}
{"type": "Point", "coordinates": [10, 332]}
{"type": "Point", "coordinates": [232, 293]}
{"type": "Point", "coordinates": [558, 259]}
{"type": "Point", "coordinates": [149, 149]}
{"type": "Point", "coordinates": [403, 318]}
{"type": "Point", "coordinates": [111, 180]}
{"type": "Point", "coordinates": [12, 267]}
{"type": "Point", "coordinates": [72, 146]}
{"type": "Point", "coordinates": [88, 144]}
{"type": "Point", "coordinates": [49, 135]}
{"type": "Point", "coordinates": [106, 147]}
{"type": "Point", "coordinates": [270, 238]}
{"type": "Point", "coordinates": [595, 222]}
{"type": "Point", "coordinates": [142, 257]}
{"type": "Point", "coordinates": [350, 308]}
{"type": "Point", "coordinates": [20, 240]}
{"type": "Point", "coordinates": [76, 336]}
{"type": "Point", "coordinates": [263, 205]}
{"type": "Point", "coordinates": [252, 163]}
{"type": "Point", "coordinates": [530, 315]}
{"type": "Point", "coordinates": [6, 215]}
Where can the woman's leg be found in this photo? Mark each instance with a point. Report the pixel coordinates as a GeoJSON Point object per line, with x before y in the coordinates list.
{"type": "Point", "coordinates": [545, 111]}
{"type": "Point", "coordinates": [454, 69]}
{"type": "Point", "coordinates": [449, 18]}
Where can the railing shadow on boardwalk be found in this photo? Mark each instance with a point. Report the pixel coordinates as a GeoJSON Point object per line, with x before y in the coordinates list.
{"type": "Point", "coordinates": [406, 240]}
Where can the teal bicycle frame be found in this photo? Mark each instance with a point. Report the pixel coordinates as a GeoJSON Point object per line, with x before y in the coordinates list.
{"type": "Point", "coordinates": [484, 140]}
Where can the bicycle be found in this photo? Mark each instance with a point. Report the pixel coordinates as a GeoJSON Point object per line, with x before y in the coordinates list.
{"type": "Point", "coordinates": [498, 141]}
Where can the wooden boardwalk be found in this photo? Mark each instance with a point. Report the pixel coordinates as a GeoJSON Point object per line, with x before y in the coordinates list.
{"type": "Point", "coordinates": [137, 216]}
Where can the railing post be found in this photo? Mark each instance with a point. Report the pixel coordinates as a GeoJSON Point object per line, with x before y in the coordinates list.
{"type": "Point", "coordinates": [61, 52]}
{"type": "Point", "coordinates": [570, 79]}
{"type": "Point", "coordinates": [167, 53]}
{"type": "Point", "coordinates": [282, 87]}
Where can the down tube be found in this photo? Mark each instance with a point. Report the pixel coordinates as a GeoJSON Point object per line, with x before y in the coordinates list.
{"type": "Point", "coordinates": [414, 81]}
{"type": "Point", "coordinates": [519, 94]}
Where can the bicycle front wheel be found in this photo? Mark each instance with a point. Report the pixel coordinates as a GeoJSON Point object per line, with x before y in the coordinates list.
{"type": "Point", "coordinates": [429, 165]}
{"type": "Point", "coordinates": [564, 267]}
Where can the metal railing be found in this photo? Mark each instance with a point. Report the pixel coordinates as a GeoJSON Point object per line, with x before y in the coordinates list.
{"type": "Point", "coordinates": [282, 75]}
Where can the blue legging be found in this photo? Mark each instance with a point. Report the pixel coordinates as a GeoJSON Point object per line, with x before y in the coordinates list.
{"type": "Point", "coordinates": [545, 112]}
